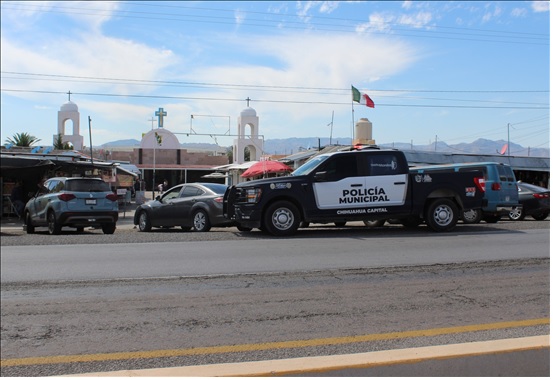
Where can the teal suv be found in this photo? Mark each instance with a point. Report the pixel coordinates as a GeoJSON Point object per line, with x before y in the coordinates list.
{"type": "Point", "coordinates": [72, 202]}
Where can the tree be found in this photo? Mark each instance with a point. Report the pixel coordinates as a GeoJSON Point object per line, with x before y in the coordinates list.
{"type": "Point", "coordinates": [22, 139]}
{"type": "Point", "coordinates": [60, 145]}
{"type": "Point", "coordinates": [229, 154]}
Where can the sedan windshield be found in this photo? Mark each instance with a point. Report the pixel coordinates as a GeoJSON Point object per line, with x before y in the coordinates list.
{"type": "Point", "coordinates": [310, 165]}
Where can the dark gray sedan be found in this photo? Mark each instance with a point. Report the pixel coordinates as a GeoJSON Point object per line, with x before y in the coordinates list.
{"type": "Point", "coordinates": [188, 205]}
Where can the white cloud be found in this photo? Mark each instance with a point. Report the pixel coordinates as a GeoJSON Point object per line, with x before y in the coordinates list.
{"type": "Point", "coordinates": [519, 12]}
{"type": "Point", "coordinates": [329, 6]}
{"type": "Point", "coordinates": [491, 14]}
{"type": "Point", "coordinates": [239, 17]}
{"type": "Point", "coordinates": [540, 6]}
{"type": "Point", "coordinates": [330, 59]}
{"type": "Point", "coordinates": [407, 4]}
{"type": "Point", "coordinates": [418, 20]}
{"type": "Point", "coordinates": [85, 56]}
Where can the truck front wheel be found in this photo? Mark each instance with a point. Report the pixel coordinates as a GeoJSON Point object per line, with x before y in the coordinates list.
{"type": "Point", "coordinates": [281, 219]}
{"type": "Point", "coordinates": [442, 215]}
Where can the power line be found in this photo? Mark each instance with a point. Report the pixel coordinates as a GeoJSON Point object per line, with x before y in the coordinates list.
{"type": "Point", "coordinates": [451, 33]}
{"type": "Point", "coordinates": [274, 101]}
{"type": "Point", "coordinates": [254, 86]}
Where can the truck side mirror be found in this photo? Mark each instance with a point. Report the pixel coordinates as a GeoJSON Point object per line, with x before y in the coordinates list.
{"type": "Point", "coordinates": [320, 176]}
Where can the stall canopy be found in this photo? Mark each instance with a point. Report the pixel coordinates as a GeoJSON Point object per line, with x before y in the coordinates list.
{"type": "Point", "coordinates": [266, 167]}
{"type": "Point", "coordinates": [24, 167]}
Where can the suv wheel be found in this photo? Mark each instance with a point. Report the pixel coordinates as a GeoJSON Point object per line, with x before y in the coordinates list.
{"type": "Point", "coordinates": [29, 228]}
{"type": "Point", "coordinates": [108, 228]}
{"type": "Point", "coordinates": [54, 228]}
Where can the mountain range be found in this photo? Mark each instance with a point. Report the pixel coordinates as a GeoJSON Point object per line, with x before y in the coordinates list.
{"type": "Point", "coordinates": [293, 145]}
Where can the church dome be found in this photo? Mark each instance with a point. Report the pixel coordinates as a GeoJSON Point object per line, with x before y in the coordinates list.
{"type": "Point", "coordinates": [248, 112]}
{"type": "Point", "coordinates": [69, 107]}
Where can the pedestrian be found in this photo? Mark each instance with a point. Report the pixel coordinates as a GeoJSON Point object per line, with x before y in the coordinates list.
{"type": "Point", "coordinates": [163, 187]}
{"type": "Point", "coordinates": [18, 198]}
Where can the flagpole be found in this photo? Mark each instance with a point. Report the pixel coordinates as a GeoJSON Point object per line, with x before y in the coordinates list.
{"type": "Point", "coordinates": [352, 121]}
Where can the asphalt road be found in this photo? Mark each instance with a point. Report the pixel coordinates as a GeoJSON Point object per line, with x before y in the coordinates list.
{"type": "Point", "coordinates": [179, 298]}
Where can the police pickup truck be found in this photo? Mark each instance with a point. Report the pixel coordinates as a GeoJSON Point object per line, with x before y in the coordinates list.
{"type": "Point", "coordinates": [356, 185]}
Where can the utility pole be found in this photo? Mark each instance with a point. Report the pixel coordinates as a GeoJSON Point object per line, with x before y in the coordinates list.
{"type": "Point", "coordinates": [508, 139]}
{"type": "Point", "coordinates": [90, 137]}
{"type": "Point", "coordinates": [331, 125]}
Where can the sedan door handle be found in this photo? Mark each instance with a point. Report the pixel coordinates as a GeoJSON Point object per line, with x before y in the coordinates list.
{"type": "Point", "coordinates": [399, 183]}
{"type": "Point", "coordinates": [356, 185]}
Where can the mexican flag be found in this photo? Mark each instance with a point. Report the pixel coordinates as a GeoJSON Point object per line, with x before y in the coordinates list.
{"type": "Point", "coordinates": [361, 98]}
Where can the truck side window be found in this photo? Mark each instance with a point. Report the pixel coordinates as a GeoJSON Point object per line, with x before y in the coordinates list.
{"type": "Point", "coordinates": [340, 167]}
{"type": "Point", "coordinates": [384, 164]}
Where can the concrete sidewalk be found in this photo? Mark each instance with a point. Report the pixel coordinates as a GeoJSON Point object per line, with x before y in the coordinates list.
{"type": "Point", "coordinates": [526, 357]}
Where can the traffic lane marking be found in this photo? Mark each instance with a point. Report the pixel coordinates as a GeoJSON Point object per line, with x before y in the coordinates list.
{"type": "Point", "coordinates": [65, 359]}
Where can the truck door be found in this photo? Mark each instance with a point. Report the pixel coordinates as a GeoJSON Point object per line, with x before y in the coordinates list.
{"type": "Point", "coordinates": [338, 176]}
{"type": "Point", "coordinates": [509, 193]}
{"type": "Point", "coordinates": [387, 182]}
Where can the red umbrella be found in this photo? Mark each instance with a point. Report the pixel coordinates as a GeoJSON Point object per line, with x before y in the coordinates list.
{"type": "Point", "coordinates": [265, 167]}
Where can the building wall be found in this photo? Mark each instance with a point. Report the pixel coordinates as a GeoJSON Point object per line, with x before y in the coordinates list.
{"type": "Point", "coordinates": [168, 157]}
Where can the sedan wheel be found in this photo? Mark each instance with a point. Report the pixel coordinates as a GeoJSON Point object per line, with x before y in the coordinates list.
{"type": "Point", "coordinates": [144, 224]}
{"type": "Point", "coordinates": [201, 221]}
{"type": "Point", "coordinates": [541, 216]}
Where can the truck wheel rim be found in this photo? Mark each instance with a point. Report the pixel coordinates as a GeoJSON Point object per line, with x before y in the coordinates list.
{"type": "Point", "coordinates": [283, 218]}
{"type": "Point", "coordinates": [443, 215]}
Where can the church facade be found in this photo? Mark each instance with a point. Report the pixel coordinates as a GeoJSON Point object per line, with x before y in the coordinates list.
{"type": "Point", "coordinates": [160, 156]}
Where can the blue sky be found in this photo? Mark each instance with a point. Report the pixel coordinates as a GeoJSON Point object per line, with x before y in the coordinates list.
{"type": "Point", "coordinates": [455, 71]}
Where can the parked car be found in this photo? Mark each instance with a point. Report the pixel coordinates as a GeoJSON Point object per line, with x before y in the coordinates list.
{"type": "Point", "coordinates": [189, 205]}
{"type": "Point", "coordinates": [534, 200]}
{"type": "Point", "coordinates": [72, 202]}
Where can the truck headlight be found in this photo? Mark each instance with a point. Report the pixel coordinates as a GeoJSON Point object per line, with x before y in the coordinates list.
{"type": "Point", "coordinates": [253, 195]}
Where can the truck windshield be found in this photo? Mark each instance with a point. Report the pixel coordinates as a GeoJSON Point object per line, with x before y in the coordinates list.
{"type": "Point", "coordinates": [310, 165]}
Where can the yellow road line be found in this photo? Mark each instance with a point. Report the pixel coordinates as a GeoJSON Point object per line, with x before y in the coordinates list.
{"type": "Point", "coordinates": [268, 346]}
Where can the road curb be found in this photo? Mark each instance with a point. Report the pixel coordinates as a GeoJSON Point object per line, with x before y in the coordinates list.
{"type": "Point", "coordinates": [528, 356]}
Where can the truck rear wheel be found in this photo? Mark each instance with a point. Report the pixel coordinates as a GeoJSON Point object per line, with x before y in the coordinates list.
{"type": "Point", "coordinates": [442, 215]}
{"type": "Point", "coordinates": [281, 218]}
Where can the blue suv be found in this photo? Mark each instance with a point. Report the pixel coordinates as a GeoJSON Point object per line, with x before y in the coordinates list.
{"type": "Point", "coordinates": [72, 202]}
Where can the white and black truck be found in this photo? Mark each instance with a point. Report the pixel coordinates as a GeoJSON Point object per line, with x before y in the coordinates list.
{"type": "Point", "coordinates": [356, 185]}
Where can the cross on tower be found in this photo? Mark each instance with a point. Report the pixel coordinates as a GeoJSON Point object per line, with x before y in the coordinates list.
{"type": "Point", "coordinates": [248, 100]}
{"type": "Point", "coordinates": [160, 113]}
{"type": "Point", "coordinates": [69, 93]}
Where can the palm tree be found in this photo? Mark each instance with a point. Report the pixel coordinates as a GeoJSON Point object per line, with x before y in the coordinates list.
{"type": "Point", "coordinates": [22, 139]}
{"type": "Point", "coordinates": [60, 145]}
